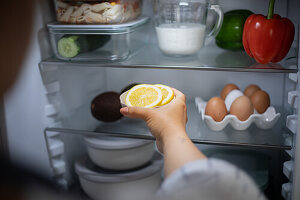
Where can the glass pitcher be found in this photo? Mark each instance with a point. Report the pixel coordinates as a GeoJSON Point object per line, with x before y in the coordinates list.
{"type": "Point", "coordinates": [181, 25]}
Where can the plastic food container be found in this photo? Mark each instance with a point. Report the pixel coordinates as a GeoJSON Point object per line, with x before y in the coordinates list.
{"type": "Point", "coordinates": [98, 42]}
{"type": "Point", "coordinates": [119, 153]}
{"type": "Point", "coordinates": [97, 11]}
{"type": "Point", "coordinates": [126, 185]}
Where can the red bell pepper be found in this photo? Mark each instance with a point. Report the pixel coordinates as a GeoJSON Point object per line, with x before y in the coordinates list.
{"type": "Point", "coordinates": [268, 39]}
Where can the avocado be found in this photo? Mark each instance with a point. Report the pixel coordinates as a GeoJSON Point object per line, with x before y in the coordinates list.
{"type": "Point", "coordinates": [106, 107]}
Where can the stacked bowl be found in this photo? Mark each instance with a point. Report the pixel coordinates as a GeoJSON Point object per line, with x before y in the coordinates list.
{"type": "Point", "coordinates": [118, 168]}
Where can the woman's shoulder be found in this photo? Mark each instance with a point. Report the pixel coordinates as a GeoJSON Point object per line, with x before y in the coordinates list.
{"type": "Point", "coordinates": [209, 179]}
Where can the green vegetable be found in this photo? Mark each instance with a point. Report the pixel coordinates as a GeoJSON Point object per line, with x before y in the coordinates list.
{"type": "Point", "coordinates": [231, 33]}
{"type": "Point", "coordinates": [71, 45]}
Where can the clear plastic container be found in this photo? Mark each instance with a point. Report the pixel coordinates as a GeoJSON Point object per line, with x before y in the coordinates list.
{"type": "Point", "coordinates": [97, 11]}
{"type": "Point", "coordinates": [98, 42]}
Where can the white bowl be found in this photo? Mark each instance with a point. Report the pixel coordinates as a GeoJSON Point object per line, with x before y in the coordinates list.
{"type": "Point", "coordinates": [263, 121]}
{"type": "Point", "coordinates": [132, 185]}
{"type": "Point", "coordinates": [119, 153]}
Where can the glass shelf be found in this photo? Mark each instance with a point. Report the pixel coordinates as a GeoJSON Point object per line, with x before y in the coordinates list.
{"type": "Point", "coordinates": [210, 58]}
{"type": "Point", "coordinates": [82, 122]}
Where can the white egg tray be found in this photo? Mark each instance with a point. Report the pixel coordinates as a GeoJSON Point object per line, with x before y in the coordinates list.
{"type": "Point", "coordinates": [263, 121]}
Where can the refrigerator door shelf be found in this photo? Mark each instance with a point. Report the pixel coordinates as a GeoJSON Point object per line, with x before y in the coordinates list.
{"type": "Point", "coordinates": [51, 110]}
{"type": "Point", "coordinates": [291, 153]}
{"type": "Point", "coordinates": [288, 169]}
{"type": "Point", "coordinates": [56, 147]}
{"type": "Point", "coordinates": [286, 191]}
{"type": "Point", "coordinates": [52, 87]}
{"type": "Point", "coordinates": [292, 123]}
{"type": "Point", "coordinates": [53, 123]}
{"type": "Point", "coordinates": [293, 99]}
{"type": "Point", "coordinates": [293, 77]}
{"type": "Point", "coordinates": [58, 166]}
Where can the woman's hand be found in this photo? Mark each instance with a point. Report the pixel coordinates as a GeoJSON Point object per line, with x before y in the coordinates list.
{"type": "Point", "coordinates": [167, 124]}
{"type": "Point", "coordinates": [168, 120]}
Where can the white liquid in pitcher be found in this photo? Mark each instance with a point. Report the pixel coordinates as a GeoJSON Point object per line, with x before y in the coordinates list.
{"type": "Point", "coordinates": [180, 39]}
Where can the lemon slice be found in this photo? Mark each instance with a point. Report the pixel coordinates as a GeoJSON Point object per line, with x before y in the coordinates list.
{"type": "Point", "coordinates": [167, 94]}
{"type": "Point", "coordinates": [144, 95]}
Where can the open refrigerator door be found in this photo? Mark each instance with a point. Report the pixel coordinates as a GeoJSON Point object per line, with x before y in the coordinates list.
{"type": "Point", "coordinates": [130, 54]}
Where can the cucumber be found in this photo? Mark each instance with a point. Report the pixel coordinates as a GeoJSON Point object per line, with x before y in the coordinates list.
{"type": "Point", "coordinates": [70, 46]}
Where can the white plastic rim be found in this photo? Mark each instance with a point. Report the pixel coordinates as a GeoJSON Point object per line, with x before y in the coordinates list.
{"type": "Point", "coordinates": [121, 159]}
{"type": "Point", "coordinates": [114, 143]}
{"type": "Point", "coordinates": [128, 25]}
{"type": "Point", "coordinates": [263, 121]}
{"type": "Point", "coordinates": [147, 86]}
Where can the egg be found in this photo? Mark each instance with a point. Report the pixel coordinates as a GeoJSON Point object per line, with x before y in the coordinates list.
{"type": "Point", "coordinates": [250, 90]}
{"type": "Point", "coordinates": [228, 88]}
{"type": "Point", "coordinates": [261, 101]}
{"type": "Point", "coordinates": [216, 108]}
{"type": "Point", "coordinates": [242, 108]}
{"type": "Point", "coordinates": [231, 97]}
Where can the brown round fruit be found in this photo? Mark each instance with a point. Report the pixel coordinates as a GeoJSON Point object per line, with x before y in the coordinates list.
{"type": "Point", "coordinates": [228, 88]}
{"type": "Point", "coordinates": [250, 90]}
{"type": "Point", "coordinates": [216, 108]}
{"type": "Point", "coordinates": [261, 101]}
{"type": "Point", "coordinates": [106, 107]}
{"type": "Point", "coordinates": [242, 108]}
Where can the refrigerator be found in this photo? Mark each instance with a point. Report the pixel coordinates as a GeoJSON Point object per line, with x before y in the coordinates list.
{"type": "Point", "coordinates": [46, 114]}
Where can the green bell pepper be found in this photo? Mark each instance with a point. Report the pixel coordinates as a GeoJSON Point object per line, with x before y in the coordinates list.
{"type": "Point", "coordinates": [231, 33]}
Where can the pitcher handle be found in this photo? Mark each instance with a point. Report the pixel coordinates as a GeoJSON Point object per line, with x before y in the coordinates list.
{"type": "Point", "coordinates": [214, 32]}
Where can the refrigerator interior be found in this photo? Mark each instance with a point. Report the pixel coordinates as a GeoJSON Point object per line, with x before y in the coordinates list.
{"type": "Point", "coordinates": [57, 96]}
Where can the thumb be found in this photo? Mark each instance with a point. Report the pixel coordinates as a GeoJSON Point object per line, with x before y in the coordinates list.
{"type": "Point", "coordinates": [135, 112]}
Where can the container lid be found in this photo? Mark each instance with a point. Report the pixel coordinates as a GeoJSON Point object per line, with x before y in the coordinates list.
{"type": "Point", "coordinates": [87, 170]}
{"type": "Point", "coordinates": [56, 27]}
{"type": "Point", "coordinates": [114, 143]}
{"type": "Point", "coordinates": [255, 164]}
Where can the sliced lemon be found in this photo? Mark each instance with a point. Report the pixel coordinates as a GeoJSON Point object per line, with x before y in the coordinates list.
{"type": "Point", "coordinates": [167, 94]}
{"type": "Point", "coordinates": [144, 95]}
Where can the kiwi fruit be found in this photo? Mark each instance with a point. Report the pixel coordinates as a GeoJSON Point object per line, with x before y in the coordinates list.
{"type": "Point", "coordinates": [128, 87]}
{"type": "Point", "coordinates": [106, 107]}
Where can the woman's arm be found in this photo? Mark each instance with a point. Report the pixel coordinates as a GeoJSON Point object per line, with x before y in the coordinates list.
{"type": "Point", "coordinates": [179, 150]}
{"type": "Point", "coordinates": [168, 126]}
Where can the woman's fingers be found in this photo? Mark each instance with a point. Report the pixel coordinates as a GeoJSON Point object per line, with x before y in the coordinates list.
{"type": "Point", "coordinates": [136, 112]}
{"type": "Point", "coordinates": [178, 94]}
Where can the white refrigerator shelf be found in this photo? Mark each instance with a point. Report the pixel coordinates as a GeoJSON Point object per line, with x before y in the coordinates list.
{"type": "Point", "coordinates": [82, 122]}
